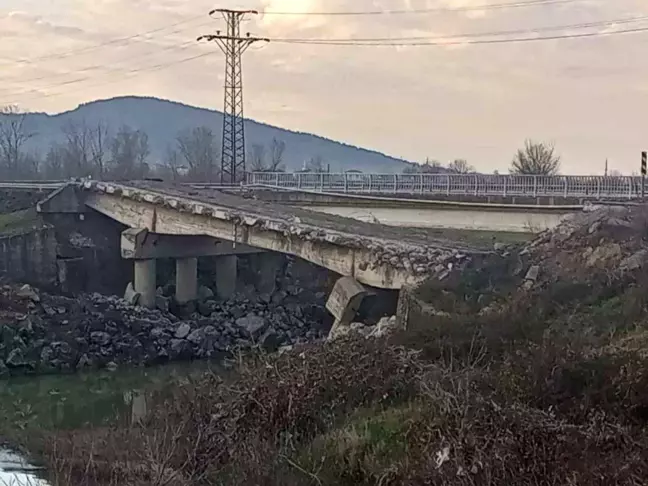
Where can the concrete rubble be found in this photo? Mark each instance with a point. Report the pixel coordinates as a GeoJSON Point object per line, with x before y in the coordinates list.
{"type": "Point", "coordinates": [385, 327]}
{"type": "Point", "coordinates": [42, 333]}
{"type": "Point", "coordinates": [603, 240]}
{"type": "Point", "coordinates": [602, 250]}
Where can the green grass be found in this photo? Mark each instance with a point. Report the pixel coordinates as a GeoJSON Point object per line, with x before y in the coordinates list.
{"type": "Point", "coordinates": [19, 221]}
{"type": "Point", "coordinates": [364, 446]}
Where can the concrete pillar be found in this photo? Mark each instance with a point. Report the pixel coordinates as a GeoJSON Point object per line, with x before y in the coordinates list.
{"type": "Point", "coordinates": [226, 276]}
{"type": "Point", "coordinates": [344, 302]}
{"type": "Point", "coordinates": [186, 280]}
{"type": "Point", "coordinates": [145, 282]}
{"type": "Point", "coordinates": [268, 266]}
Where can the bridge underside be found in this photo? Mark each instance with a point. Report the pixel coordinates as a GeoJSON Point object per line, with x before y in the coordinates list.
{"type": "Point", "coordinates": [354, 262]}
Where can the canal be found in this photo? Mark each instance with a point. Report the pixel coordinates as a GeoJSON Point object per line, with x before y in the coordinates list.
{"type": "Point", "coordinates": [47, 404]}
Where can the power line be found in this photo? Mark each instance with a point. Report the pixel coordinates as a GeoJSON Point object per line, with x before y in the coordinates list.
{"type": "Point", "coordinates": [602, 23]}
{"type": "Point", "coordinates": [130, 73]}
{"type": "Point", "coordinates": [469, 42]}
{"type": "Point", "coordinates": [361, 43]}
{"type": "Point", "coordinates": [116, 40]}
{"type": "Point", "coordinates": [493, 6]}
{"type": "Point", "coordinates": [103, 65]}
{"type": "Point", "coordinates": [357, 42]}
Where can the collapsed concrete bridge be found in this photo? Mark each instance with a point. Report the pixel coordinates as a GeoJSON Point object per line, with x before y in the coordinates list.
{"type": "Point", "coordinates": [185, 223]}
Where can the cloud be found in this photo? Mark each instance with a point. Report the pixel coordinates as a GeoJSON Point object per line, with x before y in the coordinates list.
{"type": "Point", "coordinates": [472, 101]}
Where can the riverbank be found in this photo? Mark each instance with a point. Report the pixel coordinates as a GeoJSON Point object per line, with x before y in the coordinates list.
{"type": "Point", "coordinates": [528, 370]}
{"type": "Point", "coordinates": [35, 407]}
{"type": "Point", "coordinates": [360, 412]}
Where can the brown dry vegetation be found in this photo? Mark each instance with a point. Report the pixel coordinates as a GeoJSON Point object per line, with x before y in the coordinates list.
{"type": "Point", "coordinates": [458, 412]}
{"type": "Point", "coordinates": [550, 387]}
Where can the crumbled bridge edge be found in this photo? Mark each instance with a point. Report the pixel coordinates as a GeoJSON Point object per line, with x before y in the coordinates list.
{"type": "Point", "coordinates": [416, 259]}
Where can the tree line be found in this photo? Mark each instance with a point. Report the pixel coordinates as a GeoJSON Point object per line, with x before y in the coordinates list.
{"type": "Point", "coordinates": [98, 151]}
{"type": "Point", "coordinates": [535, 158]}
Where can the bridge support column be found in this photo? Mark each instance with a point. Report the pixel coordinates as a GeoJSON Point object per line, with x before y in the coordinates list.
{"type": "Point", "coordinates": [226, 275]}
{"type": "Point", "coordinates": [145, 282]}
{"type": "Point", "coordinates": [344, 302]}
{"type": "Point", "coordinates": [186, 280]}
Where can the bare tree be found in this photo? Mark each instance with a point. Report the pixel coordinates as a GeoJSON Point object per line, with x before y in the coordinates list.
{"type": "Point", "coordinates": [172, 168]}
{"type": "Point", "coordinates": [199, 149]}
{"type": "Point", "coordinates": [129, 150]}
{"type": "Point", "coordinates": [315, 164]}
{"type": "Point", "coordinates": [14, 135]}
{"type": "Point", "coordinates": [77, 149]}
{"type": "Point", "coordinates": [460, 166]}
{"type": "Point", "coordinates": [86, 148]}
{"type": "Point", "coordinates": [536, 159]}
{"type": "Point", "coordinates": [54, 163]}
{"type": "Point", "coordinates": [262, 160]}
{"type": "Point", "coordinates": [256, 157]}
{"type": "Point", "coordinates": [30, 165]}
{"type": "Point", "coordinates": [429, 167]}
{"type": "Point", "coordinates": [99, 142]}
{"type": "Point", "coordinates": [277, 151]}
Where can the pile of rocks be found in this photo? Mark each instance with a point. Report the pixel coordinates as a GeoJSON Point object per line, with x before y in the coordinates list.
{"type": "Point", "coordinates": [602, 250]}
{"type": "Point", "coordinates": [607, 241]}
{"type": "Point", "coordinates": [47, 333]}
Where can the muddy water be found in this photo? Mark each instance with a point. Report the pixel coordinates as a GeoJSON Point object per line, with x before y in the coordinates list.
{"type": "Point", "coordinates": [51, 403]}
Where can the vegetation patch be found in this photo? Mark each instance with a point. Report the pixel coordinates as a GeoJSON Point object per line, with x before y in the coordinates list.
{"type": "Point", "coordinates": [19, 222]}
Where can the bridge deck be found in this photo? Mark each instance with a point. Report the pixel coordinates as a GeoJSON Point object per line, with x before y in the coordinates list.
{"type": "Point", "coordinates": [374, 254]}
{"type": "Point", "coordinates": [291, 215]}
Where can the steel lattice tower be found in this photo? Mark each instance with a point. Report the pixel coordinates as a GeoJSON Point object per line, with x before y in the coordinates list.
{"type": "Point", "coordinates": [233, 46]}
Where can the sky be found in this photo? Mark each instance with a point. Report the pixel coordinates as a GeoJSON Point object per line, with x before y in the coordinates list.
{"type": "Point", "coordinates": [588, 96]}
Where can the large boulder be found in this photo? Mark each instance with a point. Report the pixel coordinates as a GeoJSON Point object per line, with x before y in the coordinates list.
{"type": "Point", "coordinates": [101, 338]}
{"type": "Point", "coordinates": [183, 331]}
{"type": "Point", "coordinates": [252, 324]}
{"type": "Point", "coordinates": [28, 292]}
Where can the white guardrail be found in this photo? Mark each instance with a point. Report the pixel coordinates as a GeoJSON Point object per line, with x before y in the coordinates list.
{"type": "Point", "coordinates": [40, 186]}
{"type": "Point", "coordinates": [594, 187]}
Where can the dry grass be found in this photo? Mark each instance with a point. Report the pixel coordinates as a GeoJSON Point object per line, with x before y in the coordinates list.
{"type": "Point", "coordinates": [549, 388]}
{"type": "Point", "coordinates": [375, 413]}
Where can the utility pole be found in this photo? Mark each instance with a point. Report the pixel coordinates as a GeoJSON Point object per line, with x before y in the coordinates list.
{"type": "Point", "coordinates": [233, 46]}
{"type": "Point", "coordinates": [644, 171]}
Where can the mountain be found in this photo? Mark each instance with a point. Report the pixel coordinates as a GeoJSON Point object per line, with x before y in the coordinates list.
{"type": "Point", "coordinates": [162, 120]}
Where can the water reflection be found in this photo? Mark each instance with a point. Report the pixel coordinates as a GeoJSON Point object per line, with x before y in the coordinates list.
{"type": "Point", "coordinates": [77, 401]}
{"type": "Point", "coordinates": [53, 403]}
{"type": "Point", "coordinates": [16, 471]}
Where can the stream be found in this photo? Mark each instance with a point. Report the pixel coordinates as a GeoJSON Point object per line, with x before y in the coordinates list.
{"type": "Point", "coordinates": [15, 470]}
{"type": "Point", "coordinates": [60, 402]}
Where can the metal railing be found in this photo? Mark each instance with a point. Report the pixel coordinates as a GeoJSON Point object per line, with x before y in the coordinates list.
{"type": "Point", "coordinates": [591, 187]}
{"type": "Point", "coordinates": [41, 186]}
{"type": "Point", "coordinates": [594, 187]}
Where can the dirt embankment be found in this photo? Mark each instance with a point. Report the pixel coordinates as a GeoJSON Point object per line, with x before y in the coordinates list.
{"type": "Point", "coordinates": [591, 256]}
